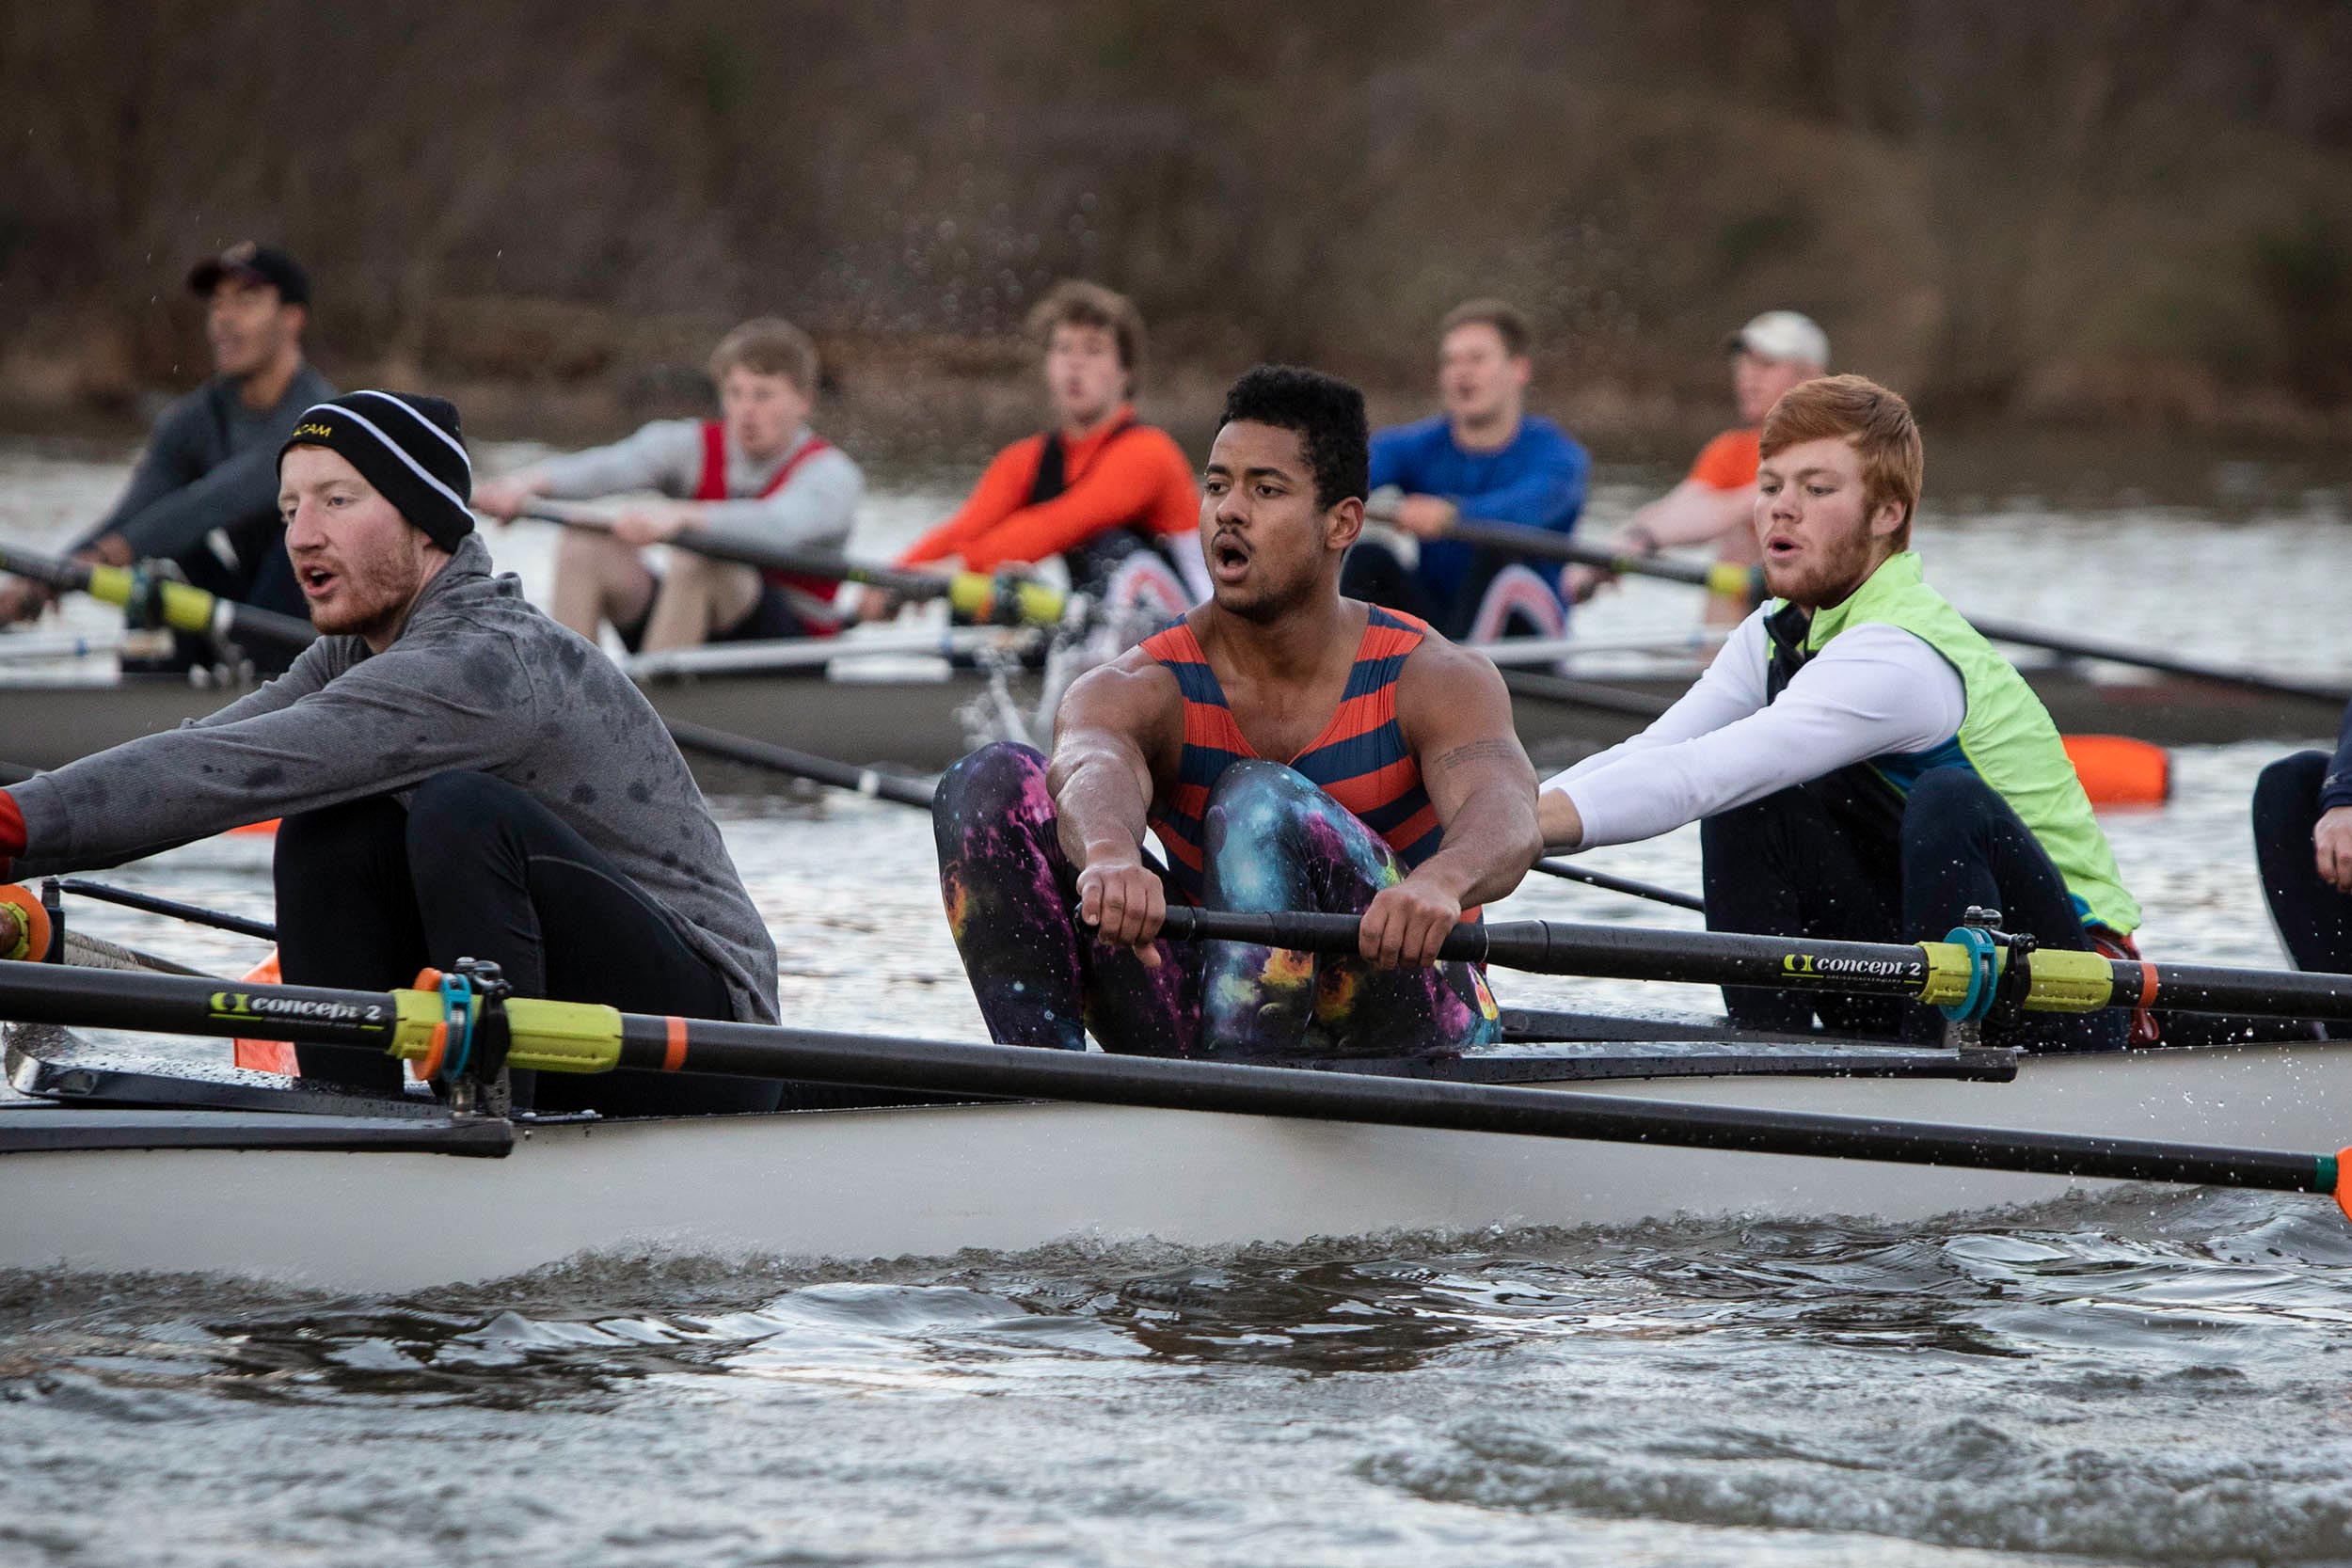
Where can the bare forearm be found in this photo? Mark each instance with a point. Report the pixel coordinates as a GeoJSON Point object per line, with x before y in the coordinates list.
{"type": "Point", "coordinates": [1488, 846]}
{"type": "Point", "coordinates": [1100, 813]}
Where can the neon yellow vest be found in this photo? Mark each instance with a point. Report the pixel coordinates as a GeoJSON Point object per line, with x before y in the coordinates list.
{"type": "Point", "coordinates": [2007, 739]}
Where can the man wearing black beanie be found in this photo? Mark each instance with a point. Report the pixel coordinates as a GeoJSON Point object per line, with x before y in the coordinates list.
{"type": "Point", "coordinates": [459, 777]}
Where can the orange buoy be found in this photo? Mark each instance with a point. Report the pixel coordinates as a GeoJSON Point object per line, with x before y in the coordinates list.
{"type": "Point", "coordinates": [25, 936]}
{"type": "Point", "coordinates": [267, 1055]}
{"type": "Point", "coordinates": [2118, 771]}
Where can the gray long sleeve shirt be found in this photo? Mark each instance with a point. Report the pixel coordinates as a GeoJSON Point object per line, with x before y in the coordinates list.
{"type": "Point", "coordinates": [478, 681]}
{"type": "Point", "coordinates": [211, 462]}
{"type": "Point", "coordinates": [815, 507]}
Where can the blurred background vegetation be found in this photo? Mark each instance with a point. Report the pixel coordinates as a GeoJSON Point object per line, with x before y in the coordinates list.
{"type": "Point", "coordinates": [2104, 213]}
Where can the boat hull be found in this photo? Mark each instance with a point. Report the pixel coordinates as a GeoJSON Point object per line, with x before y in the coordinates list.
{"type": "Point", "coordinates": [935, 1179]}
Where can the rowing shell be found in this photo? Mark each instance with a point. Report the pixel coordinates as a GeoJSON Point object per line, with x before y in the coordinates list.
{"type": "Point", "coordinates": [377, 1202]}
{"type": "Point", "coordinates": [926, 723]}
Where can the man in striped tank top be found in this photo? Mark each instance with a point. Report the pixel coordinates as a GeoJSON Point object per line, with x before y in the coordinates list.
{"type": "Point", "coordinates": [1292, 749]}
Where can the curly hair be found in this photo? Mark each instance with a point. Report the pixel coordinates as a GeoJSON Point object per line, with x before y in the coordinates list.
{"type": "Point", "coordinates": [1327, 415]}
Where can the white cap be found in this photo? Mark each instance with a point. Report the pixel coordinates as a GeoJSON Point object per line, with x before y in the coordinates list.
{"type": "Point", "coordinates": [1782, 335]}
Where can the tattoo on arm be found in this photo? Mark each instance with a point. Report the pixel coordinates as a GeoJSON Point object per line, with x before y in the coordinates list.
{"type": "Point", "coordinates": [1477, 752]}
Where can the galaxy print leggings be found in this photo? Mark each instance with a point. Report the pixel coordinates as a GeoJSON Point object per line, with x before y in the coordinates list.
{"type": "Point", "coordinates": [1271, 841]}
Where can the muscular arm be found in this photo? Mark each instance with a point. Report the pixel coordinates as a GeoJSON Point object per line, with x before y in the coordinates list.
{"type": "Point", "coordinates": [1111, 725]}
{"type": "Point", "coordinates": [1456, 716]}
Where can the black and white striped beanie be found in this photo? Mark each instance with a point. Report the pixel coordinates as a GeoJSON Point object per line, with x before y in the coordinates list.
{"type": "Point", "coordinates": [408, 446]}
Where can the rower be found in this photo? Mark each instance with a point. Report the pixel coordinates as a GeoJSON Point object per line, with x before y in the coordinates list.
{"type": "Point", "coordinates": [2303, 848]}
{"type": "Point", "coordinates": [757, 469]}
{"type": "Point", "coordinates": [1292, 749]}
{"type": "Point", "coordinates": [1484, 457]}
{"type": "Point", "coordinates": [459, 777]}
{"type": "Point", "coordinates": [1862, 764]}
{"type": "Point", "coordinates": [204, 496]}
{"type": "Point", "coordinates": [1716, 501]}
{"type": "Point", "coordinates": [1111, 495]}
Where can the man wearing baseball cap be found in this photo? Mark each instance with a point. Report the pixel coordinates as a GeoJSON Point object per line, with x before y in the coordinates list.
{"type": "Point", "coordinates": [205, 493]}
{"type": "Point", "coordinates": [1778, 350]}
{"type": "Point", "coordinates": [458, 776]}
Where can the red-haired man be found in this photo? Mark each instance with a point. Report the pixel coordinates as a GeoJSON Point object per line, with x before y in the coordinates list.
{"type": "Point", "coordinates": [1862, 764]}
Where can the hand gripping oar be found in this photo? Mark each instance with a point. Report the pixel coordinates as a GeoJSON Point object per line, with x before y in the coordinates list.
{"type": "Point", "coordinates": [160, 600]}
{"type": "Point", "coordinates": [1009, 600]}
{"type": "Point", "coordinates": [1747, 583]}
{"type": "Point", "coordinates": [445, 1029]}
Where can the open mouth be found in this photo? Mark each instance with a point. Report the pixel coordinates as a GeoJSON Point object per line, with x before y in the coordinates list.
{"type": "Point", "coordinates": [1780, 549]}
{"type": "Point", "coordinates": [317, 581]}
{"type": "Point", "coordinates": [1229, 558]}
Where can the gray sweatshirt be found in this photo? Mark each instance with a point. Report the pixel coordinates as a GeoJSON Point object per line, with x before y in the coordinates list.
{"type": "Point", "coordinates": [211, 463]}
{"type": "Point", "coordinates": [815, 507]}
{"type": "Point", "coordinates": [477, 681]}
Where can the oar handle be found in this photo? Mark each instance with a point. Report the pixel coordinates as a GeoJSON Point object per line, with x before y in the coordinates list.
{"type": "Point", "coordinates": [1733, 581]}
{"type": "Point", "coordinates": [1955, 974]}
{"type": "Point", "coordinates": [181, 606]}
{"type": "Point", "coordinates": [976, 595]}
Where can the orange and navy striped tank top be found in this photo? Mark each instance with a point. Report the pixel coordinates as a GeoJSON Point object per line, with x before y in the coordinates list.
{"type": "Point", "coordinates": [1359, 758]}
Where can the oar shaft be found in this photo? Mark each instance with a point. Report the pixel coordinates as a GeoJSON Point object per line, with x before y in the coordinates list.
{"type": "Point", "coordinates": [803, 765]}
{"type": "Point", "coordinates": [106, 894]}
{"type": "Point", "coordinates": [1515, 539]}
{"type": "Point", "coordinates": [1030, 1072]}
{"type": "Point", "coordinates": [976, 595]}
{"type": "Point", "coordinates": [1568, 873]}
{"type": "Point", "coordinates": [1936, 972]}
{"type": "Point", "coordinates": [2145, 658]}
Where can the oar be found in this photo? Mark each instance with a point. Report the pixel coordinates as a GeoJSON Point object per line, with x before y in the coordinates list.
{"type": "Point", "coordinates": [167, 601]}
{"type": "Point", "coordinates": [570, 1036]}
{"type": "Point", "coordinates": [1747, 583]}
{"type": "Point", "coordinates": [150, 903]}
{"type": "Point", "coordinates": [1956, 974]}
{"type": "Point", "coordinates": [983, 597]}
{"type": "Point", "coordinates": [1566, 872]}
{"type": "Point", "coordinates": [803, 765]}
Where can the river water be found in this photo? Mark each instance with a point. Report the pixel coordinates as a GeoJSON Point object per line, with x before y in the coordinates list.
{"type": "Point", "coordinates": [2150, 1377]}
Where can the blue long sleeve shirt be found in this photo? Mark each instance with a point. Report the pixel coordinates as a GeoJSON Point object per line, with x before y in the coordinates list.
{"type": "Point", "coordinates": [1537, 481]}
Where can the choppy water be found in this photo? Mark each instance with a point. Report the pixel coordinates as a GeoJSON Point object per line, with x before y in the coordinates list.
{"type": "Point", "coordinates": [2150, 1378]}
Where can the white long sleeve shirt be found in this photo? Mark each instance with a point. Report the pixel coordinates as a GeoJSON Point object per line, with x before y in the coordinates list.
{"type": "Point", "coordinates": [1875, 689]}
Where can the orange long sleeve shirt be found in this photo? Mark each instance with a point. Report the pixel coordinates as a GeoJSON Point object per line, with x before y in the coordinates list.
{"type": "Point", "coordinates": [1139, 478]}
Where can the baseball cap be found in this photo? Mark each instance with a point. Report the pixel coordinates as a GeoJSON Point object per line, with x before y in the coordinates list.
{"type": "Point", "coordinates": [1781, 334]}
{"type": "Point", "coordinates": [255, 264]}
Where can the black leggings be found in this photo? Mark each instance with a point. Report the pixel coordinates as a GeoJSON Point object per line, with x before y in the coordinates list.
{"type": "Point", "coordinates": [1792, 865]}
{"type": "Point", "coordinates": [2315, 921]}
{"type": "Point", "coordinates": [369, 893]}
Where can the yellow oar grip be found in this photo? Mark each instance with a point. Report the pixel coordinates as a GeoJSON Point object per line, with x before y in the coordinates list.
{"type": "Point", "coordinates": [2069, 982]}
{"type": "Point", "coordinates": [111, 584]}
{"type": "Point", "coordinates": [1733, 582]}
{"type": "Point", "coordinates": [973, 593]}
{"type": "Point", "coordinates": [185, 608]}
{"type": "Point", "coordinates": [562, 1037]}
{"type": "Point", "coordinates": [1951, 969]}
{"type": "Point", "coordinates": [551, 1037]}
